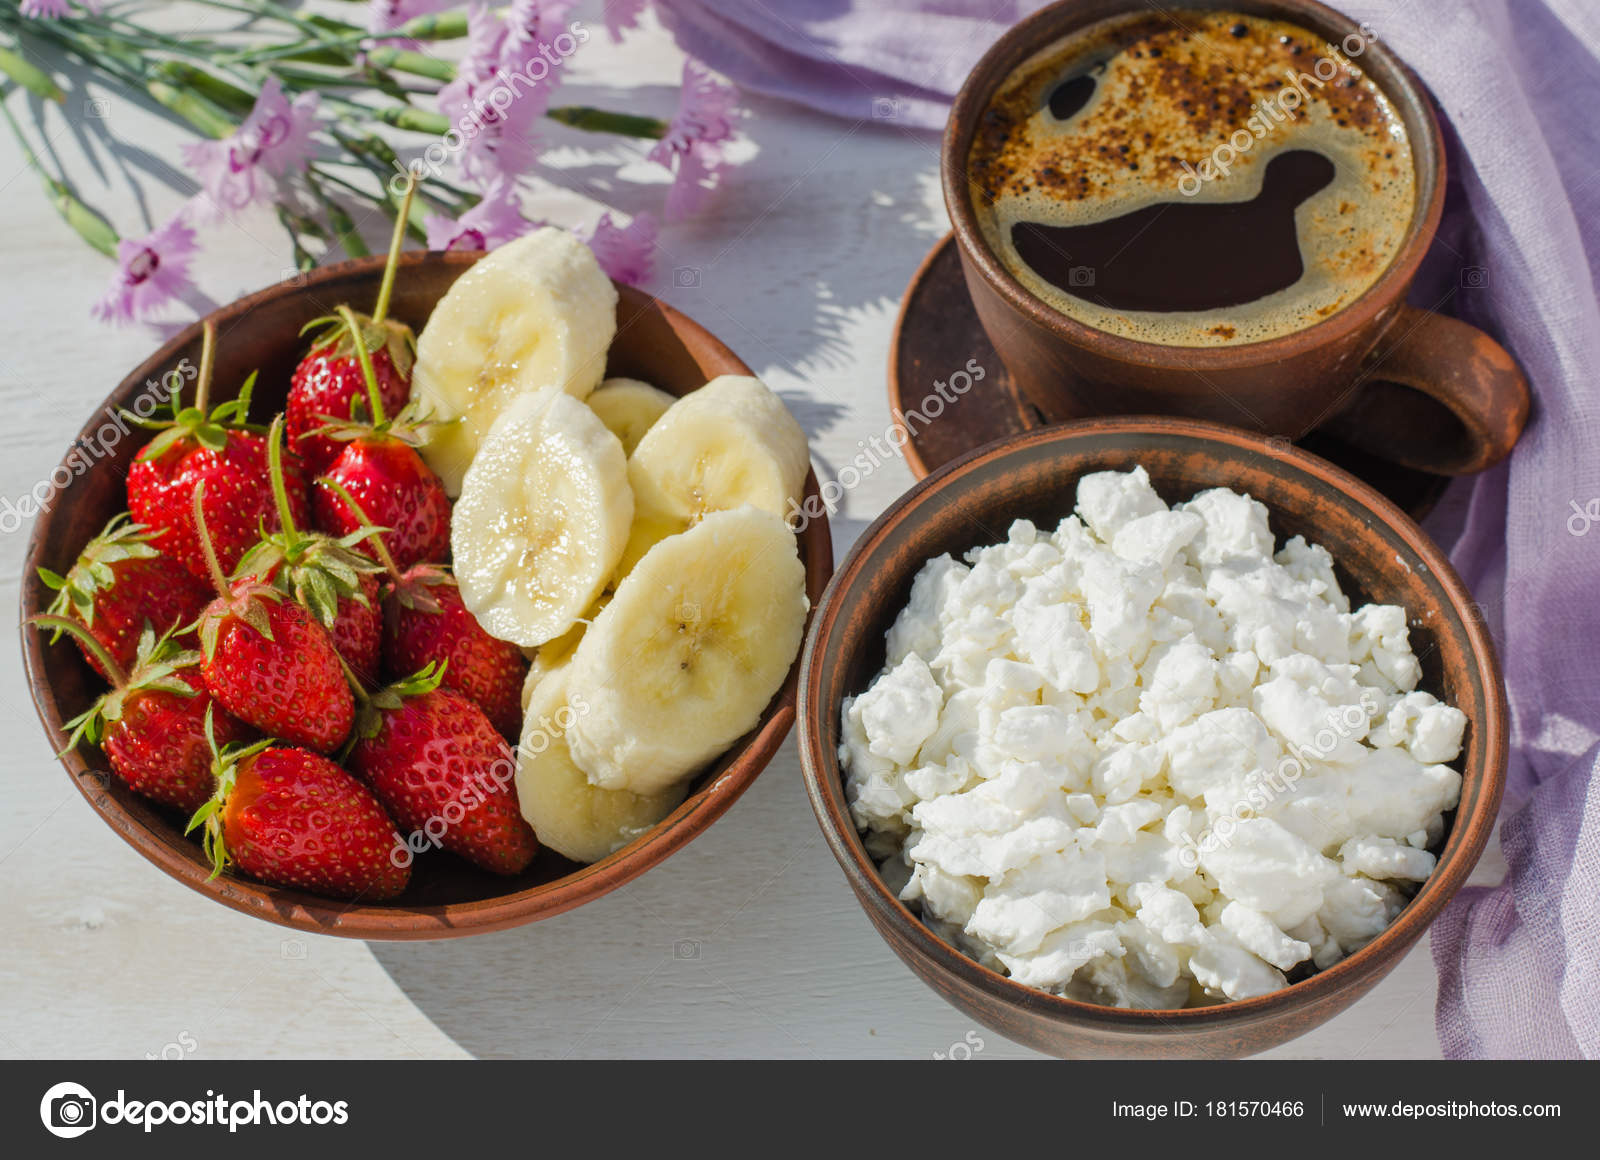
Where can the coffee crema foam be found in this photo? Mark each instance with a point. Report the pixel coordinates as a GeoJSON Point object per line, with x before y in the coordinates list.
{"type": "Point", "coordinates": [1170, 89]}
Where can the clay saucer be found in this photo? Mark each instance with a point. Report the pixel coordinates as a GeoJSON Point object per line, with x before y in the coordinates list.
{"type": "Point", "coordinates": [937, 335]}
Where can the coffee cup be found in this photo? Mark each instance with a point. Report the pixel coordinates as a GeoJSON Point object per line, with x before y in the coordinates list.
{"type": "Point", "coordinates": [1413, 386]}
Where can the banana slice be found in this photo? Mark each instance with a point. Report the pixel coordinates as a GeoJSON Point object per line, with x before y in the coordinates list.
{"type": "Point", "coordinates": [629, 408]}
{"type": "Point", "coordinates": [570, 816]}
{"type": "Point", "coordinates": [732, 442]}
{"type": "Point", "coordinates": [542, 520]}
{"type": "Point", "coordinates": [692, 647]}
{"type": "Point", "coordinates": [554, 653]}
{"type": "Point", "coordinates": [538, 312]}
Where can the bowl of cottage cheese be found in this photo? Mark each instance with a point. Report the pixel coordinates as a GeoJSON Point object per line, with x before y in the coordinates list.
{"type": "Point", "coordinates": [1150, 736]}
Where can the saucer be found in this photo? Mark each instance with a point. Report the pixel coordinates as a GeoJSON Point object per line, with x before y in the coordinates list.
{"type": "Point", "coordinates": [936, 337]}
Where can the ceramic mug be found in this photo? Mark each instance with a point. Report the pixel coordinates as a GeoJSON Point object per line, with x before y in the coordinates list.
{"type": "Point", "coordinates": [1414, 387]}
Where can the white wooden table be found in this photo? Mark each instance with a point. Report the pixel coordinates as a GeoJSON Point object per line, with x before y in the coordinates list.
{"type": "Point", "coordinates": [748, 942]}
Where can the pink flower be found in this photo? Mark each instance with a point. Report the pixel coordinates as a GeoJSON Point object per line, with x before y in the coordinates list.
{"type": "Point", "coordinates": [50, 9]}
{"type": "Point", "coordinates": [692, 147]}
{"type": "Point", "coordinates": [492, 222]}
{"type": "Point", "coordinates": [626, 253]}
{"type": "Point", "coordinates": [386, 15]}
{"type": "Point", "coordinates": [493, 111]}
{"type": "Point", "coordinates": [621, 15]}
{"type": "Point", "coordinates": [151, 272]}
{"type": "Point", "coordinates": [274, 140]}
{"type": "Point", "coordinates": [536, 30]}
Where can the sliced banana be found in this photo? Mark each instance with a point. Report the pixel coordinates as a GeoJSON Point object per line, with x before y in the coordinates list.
{"type": "Point", "coordinates": [575, 819]}
{"type": "Point", "coordinates": [542, 520]}
{"type": "Point", "coordinates": [537, 312]}
{"type": "Point", "coordinates": [694, 644]}
{"type": "Point", "coordinates": [554, 653]}
{"type": "Point", "coordinates": [629, 408]}
{"type": "Point", "coordinates": [732, 442]}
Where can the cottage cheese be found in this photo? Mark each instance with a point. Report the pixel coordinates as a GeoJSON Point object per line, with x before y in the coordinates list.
{"type": "Point", "coordinates": [1144, 760]}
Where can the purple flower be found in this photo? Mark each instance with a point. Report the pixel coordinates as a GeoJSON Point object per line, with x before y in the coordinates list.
{"type": "Point", "coordinates": [493, 111]}
{"type": "Point", "coordinates": [538, 40]}
{"type": "Point", "coordinates": [50, 9]}
{"type": "Point", "coordinates": [492, 222]}
{"type": "Point", "coordinates": [386, 15]}
{"type": "Point", "coordinates": [274, 140]}
{"type": "Point", "coordinates": [621, 15]}
{"type": "Point", "coordinates": [692, 147]}
{"type": "Point", "coordinates": [151, 272]}
{"type": "Point", "coordinates": [626, 253]}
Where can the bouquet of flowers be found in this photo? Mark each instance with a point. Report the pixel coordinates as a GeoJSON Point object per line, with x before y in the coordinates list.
{"type": "Point", "coordinates": [311, 113]}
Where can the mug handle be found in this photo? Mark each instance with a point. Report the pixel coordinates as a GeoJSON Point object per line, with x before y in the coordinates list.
{"type": "Point", "coordinates": [1424, 361]}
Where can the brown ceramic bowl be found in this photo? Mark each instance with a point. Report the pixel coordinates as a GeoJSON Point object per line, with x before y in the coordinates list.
{"type": "Point", "coordinates": [447, 897]}
{"type": "Point", "coordinates": [1381, 556]}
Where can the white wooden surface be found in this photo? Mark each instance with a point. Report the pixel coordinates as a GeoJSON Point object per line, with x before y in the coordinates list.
{"type": "Point", "coordinates": [747, 943]}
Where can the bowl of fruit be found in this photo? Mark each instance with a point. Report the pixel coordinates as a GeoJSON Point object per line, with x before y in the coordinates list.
{"type": "Point", "coordinates": [420, 597]}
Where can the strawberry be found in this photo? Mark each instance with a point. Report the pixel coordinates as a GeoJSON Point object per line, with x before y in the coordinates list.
{"type": "Point", "coordinates": [381, 469]}
{"type": "Point", "coordinates": [120, 584]}
{"type": "Point", "coordinates": [221, 450]}
{"type": "Point", "coordinates": [329, 578]}
{"type": "Point", "coordinates": [437, 764]}
{"type": "Point", "coordinates": [267, 662]}
{"type": "Point", "coordinates": [293, 818]}
{"type": "Point", "coordinates": [151, 724]}
{"type": "Point", "coordinates": [330, 383]}
{"type": "Point", "coordinates": [328, 387]}
{"type": "Point", "coordinates": [425, 622]}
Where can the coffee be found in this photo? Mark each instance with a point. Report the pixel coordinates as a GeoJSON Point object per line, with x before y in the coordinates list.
{"type": "Point", "coordinates": [1193, 178]}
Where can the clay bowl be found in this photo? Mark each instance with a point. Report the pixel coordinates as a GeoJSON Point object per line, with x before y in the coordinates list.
{"type": "Point", "coordinates": [1382, 556]}
{"type": "Point", "coordinates": [447, 897]}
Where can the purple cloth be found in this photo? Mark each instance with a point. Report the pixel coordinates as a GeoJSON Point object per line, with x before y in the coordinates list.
{"type": "Point", "coordinates": [1518, 84]}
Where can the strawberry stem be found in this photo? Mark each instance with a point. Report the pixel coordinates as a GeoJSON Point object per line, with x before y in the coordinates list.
{"type": "Point", "coordinates": [376, 539]}
{"type": "Point", "coordinates": [374, 399]}
{"type": "Point", "coordinates": [212, 564]}
{"type": "Point", "coordinates": [208, 361]}
{"type": "Point", "coordinates": [396, 243]}
{"type": "Point", "coordinates": [114, 671]}
{"type": "Point", "coordinates": [280, 493]}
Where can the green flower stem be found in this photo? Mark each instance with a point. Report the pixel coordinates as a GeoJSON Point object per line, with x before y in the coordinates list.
{"type": "Point", "coordinates": [416, 63]}
{"type": "Point", "coordinates": [209, 118]}
{"type": "Point", "coordinates": [594, 120]}
{"type": "Point", "coordinates": [297, 227]}
{"type": "Point", "coordinates": [226, 96]}
{"type": "Point", "coordinates": [30, 76]}
{"type": "Point", "coordinates": [90, 226]}
{"type": "Point", "coordinates": [344, 228]}
{"type": "Point", "coordinates": [436, 26]}
{"type": "Point", "coordinates": [412, 120]}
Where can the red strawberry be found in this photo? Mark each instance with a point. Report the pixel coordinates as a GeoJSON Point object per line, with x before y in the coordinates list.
{"type": "Point", "coordinates": [269, 663]}
{"type": "Point", "coordinates": [425, 621]}
{"type": "Point", "coordinates": [326, 388]}
{"type": "Point", "coordinates": [216, 449]}
{"type": "Point", "coordinates": [381, 470]}
{"type": "Point", "coordinates": [387, 477]}
{"type": "Point", "coordinates": [120, 584]}
{"type": "Point", "coordinates": [293, 818]}
{"type": "Point", "coordinates": [326, 577]}
{"type": "Point", "coordinates": [152, 723]}
{"type": "Point", "coordinates": [330, 385]}
{"type": "Point", "coordinates": [437, 764]}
